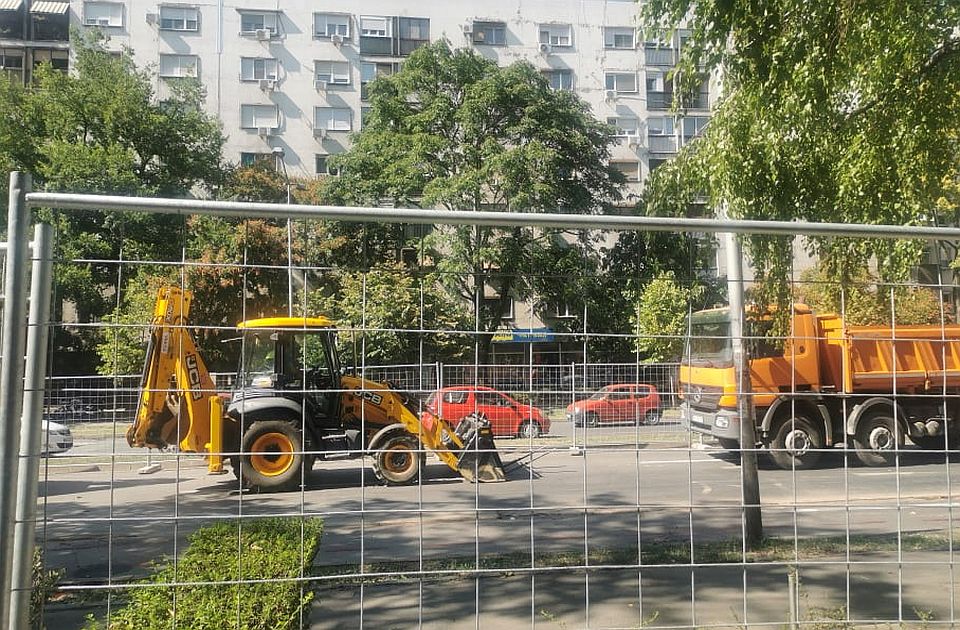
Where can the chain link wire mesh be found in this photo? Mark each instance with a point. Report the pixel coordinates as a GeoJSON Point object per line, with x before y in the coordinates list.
{"type": "Point", "coordinates": [614, 514]}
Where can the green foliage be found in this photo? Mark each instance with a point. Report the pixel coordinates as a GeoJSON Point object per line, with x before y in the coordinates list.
{"type": "Point", "coordinates": [43, 585]}
{"type": "Point", "coordinates": [220, 577]}
{"type": "Point", "coordinates": [831, 111]}
{"type": "Point", "coordinates": [122, 338]}
{"type": "Point", "coordinates": [864, 301]}
{"type": "Point", "coordinates": [386, 302]}
{"type": "Point", "coordinates": [454, 130]}
{"type": "Point", "coordinates": [660, 317]}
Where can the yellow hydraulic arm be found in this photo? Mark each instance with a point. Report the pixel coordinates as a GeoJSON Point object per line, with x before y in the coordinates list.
{"type": "Point", "coordinates": [178, 403]}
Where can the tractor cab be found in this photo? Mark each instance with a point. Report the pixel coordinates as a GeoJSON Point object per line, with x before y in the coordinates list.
{"type": "Point", "coordinates": [292, 358]}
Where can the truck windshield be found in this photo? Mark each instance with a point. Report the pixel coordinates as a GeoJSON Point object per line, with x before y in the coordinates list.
{"type": "Point", "coordinates": [257, 366]}
{"type": "Point", "coordinates": [709, 342]}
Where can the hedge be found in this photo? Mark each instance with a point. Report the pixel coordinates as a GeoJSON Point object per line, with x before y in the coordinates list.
{"type": "Point", "coordinates": [216, 580]}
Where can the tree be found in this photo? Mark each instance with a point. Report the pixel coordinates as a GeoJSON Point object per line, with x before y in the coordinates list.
{"type": "Point", "coordinates": [831, 111]}
{"type": "Point", "coordinates": [660, 317]}
{"type": "Point", "coordinates": [404, 316]}
{"type": "Point", "coordinates": [453, 130]}
{"type": "Point", "coordinates": [102, 130]}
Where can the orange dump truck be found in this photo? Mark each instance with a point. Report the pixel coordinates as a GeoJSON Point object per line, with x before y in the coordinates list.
{"type": "Point", "coordinates": [870, 387]}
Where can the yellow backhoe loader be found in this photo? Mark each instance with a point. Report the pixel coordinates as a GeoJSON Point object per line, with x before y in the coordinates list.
{"type": "Point", "coordinates": [291, 404]}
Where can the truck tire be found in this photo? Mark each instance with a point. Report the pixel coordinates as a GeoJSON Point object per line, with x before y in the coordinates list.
{"type": "Point", "coordinates": [271, 455]}
{"type": "Point", "coordinates": [397, 461]}
{"type": "Point", "coordinates": [796, 443]}
{"type": "Point", "coordinates": [729, 444]}
{"type": "Point", "coordinates": [931, 442]}
{"type": "Point", "coordinates": [878, 439]}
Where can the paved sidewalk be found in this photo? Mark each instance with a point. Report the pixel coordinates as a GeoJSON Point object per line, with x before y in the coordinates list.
{"type": "Point", "coordinates": [676, 596]}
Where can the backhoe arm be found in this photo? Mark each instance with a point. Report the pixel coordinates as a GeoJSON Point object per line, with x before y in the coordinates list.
{"type": "Point", "coordinates": [178, 404]}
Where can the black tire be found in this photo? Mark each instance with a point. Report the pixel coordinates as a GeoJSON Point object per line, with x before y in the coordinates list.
{"type": "Point", "coordinates": [529, 429]}
{"type": "Point", "coordinates": [878, 439]}
{"type": "Point", "coordinates": [397, 460]}
{"type": "Point", "coordinates": [930, 442]}
{"type": "Point", "coordinates": [652, 417]}
{"type": "Point", "coordinates": [271, 455]}
{"type": "Point", "coordinates": [235, 465]}
{"type": "Point", "coordinates": [796, 443]}
{"type": "Point", "coordinates": [591, 420]}
{"type": "Point", "coordinates": [729, 444]}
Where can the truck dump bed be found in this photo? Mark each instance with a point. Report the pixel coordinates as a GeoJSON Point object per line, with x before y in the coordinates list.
{"type": "Point", "coordinates": [884, 359]}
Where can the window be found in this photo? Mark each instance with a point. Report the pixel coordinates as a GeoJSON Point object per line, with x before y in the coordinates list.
{"type": "Point", "coordinates": [659, 91]}
{"type": "Point", "coordinates": [256, 116]}
{"type": "Point", "coordinates": [251, 22]}
{"type": "Point", "coordinates": [333, 118]}
{"type": "Point", "coordinates": [414, 33]}
{"type": "Point", "coordinates": [694, 125]}
{"type": "Point", "coordinates": [103, 14]}
{"type": "Point", "coordinates": [178, 66]}
{"type": "Point", "coordinates": [655, 163]}
{"type": "Point", "coordinates": [556, 35]}
{"type": "Point", "coordinates": [623, 37]}
{"type": "Point", "coordinates": [322, 165]}
{"type": "Point", "coordinates": [622, 82]}
{"type": "Point", "coordinates": [491, 305]}
{"type": "Point", "coordinates": [455, 397]}
{"type": "Point", "coordinates": [257, 68]}
{"type": "Point", "coordinates": [364, 115]}
{"type": "Point", "coordinates": [11, 59]}
{"type": "Point", "coordinates": [249, 159]}
{"type": "Point", "coordinates": [559, 79]}
{"type": "Point", "coordinates": [490, 33]}
{"type": "Point", "coordinates": [58, 59]}
{"type": "Point", "coordinates": [330, 24]}
{"type": "Point", "coordinates": [176, 18]}
{"type": "Point", "coordinates": [374, 26]}
{"type": "Point", "coordinates": [630, 170]}
{"type": "Point", "coordinates": [655, 82]}
{"type": "Point", "coordinates": [626, 126]}
{"type": "Point", "coordinates": [660, 126]}
{"type": "Point", "coordinates": [332, 72]}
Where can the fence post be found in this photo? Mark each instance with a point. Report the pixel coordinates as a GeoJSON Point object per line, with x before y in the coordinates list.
{"type": "Point", "coordinates": [11, 375]}
{"type": "Point", "coordinates": [31, 433]}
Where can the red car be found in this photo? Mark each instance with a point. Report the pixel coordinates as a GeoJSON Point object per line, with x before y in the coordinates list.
{"type": "Point", "coordinates": [507, 416]}
{"type": "Point", "coordinates": [617, 404]}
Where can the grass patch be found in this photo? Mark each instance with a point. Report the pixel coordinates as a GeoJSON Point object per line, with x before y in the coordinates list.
{"type": "Point", "coordinates": [239, 575]}
{"type": "Point", "coordinates": [652, 553]}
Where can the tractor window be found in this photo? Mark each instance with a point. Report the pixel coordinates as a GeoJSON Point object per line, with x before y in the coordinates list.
{"type": "Point", "coordinates": [313, 355]}
{"type": "Point", "coordinates": [258, 360]}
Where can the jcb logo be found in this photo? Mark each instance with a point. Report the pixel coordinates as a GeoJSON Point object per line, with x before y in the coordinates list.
{"type": "Point", "coordinates": [193, 375]}
{"type": "Point", "coordinates": [373, 397]}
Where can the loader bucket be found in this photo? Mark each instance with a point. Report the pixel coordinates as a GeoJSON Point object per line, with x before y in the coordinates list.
{"type": "Point", "coordinates": [479, 460]}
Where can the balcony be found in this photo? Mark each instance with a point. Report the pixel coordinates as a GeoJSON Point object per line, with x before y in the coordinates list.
{"type": "Point", "coordinates": [660, 56]}
{"type": "Point", "coordinates": [660, 100]}
{"type": "Point", "coordinates": [662, 144]}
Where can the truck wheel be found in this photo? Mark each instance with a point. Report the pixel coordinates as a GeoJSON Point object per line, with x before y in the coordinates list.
{"type": "Point", "coordinates": [796, 443]}
{"type": "Point", "coordinates": [271, 455]}
{"type": "Point", "coordinates": [397, 460]}
{"type": "Point", "coordinates": [729, 444]}
{"type": "Point", "coordinates": [878, 439]}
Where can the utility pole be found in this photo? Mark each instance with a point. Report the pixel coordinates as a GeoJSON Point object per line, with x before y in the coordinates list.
{"type": "Point", "coordinates": [749, 478]}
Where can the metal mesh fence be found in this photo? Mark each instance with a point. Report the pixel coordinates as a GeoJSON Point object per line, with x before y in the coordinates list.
{"type": "Point", "coordinates": [624, 508]}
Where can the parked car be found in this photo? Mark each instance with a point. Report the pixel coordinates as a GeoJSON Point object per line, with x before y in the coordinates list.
{"type": "Point", "coordinates": [56, 438]}
{"type": "Point", "coordinates": [617, 404]}
{"type": "Point", "coordinates": [507, 416]}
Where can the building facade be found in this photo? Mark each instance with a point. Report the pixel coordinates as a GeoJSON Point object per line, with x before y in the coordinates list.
{"type": "Point", "coordinates": [294, 75]}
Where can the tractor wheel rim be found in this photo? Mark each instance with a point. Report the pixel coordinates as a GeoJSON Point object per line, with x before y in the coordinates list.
{"type": "Point", "coordinates": [881, 439]}
{"type": "Point", "coordinates": [398, 459]}
{"type": "Point", "coordinates": [272, 454]}
{"type": "Point", "coordinates": [798, 442]}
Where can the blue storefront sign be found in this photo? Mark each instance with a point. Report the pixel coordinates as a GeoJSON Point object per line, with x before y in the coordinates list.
{"type": "Point", "coordinates": [523, 335]}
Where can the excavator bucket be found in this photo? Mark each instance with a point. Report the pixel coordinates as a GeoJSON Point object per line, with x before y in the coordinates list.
{"type": "Point", "coordinates": [479, 459]}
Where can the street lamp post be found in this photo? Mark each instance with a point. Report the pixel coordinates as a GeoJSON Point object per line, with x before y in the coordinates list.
{"type": "Point", "coordinates": [282, 166]}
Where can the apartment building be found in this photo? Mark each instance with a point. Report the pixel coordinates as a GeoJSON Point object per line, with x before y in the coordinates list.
{"type": "Point", "coordinates": [294, 75]}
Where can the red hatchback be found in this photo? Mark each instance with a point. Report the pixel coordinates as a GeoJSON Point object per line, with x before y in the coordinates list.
{"type": "Point", "coordinates": [507, 416]}
{"type": "Point", "coordinates": [617, 404]}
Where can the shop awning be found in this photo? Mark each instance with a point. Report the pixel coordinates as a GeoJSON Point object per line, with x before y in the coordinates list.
{"type": "Point", "coordinates": [56, 8]}
{"type": "Point", "coordinates": [10, 5]}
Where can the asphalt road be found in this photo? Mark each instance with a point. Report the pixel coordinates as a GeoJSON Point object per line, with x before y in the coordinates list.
{"type": "Point", "coordinates": [111, 523]}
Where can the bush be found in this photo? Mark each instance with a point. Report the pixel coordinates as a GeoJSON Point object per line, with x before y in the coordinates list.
{"type": "Point", "coordinates": [217, 577]}
{"type": "Point", "coordinates": [44, 585]}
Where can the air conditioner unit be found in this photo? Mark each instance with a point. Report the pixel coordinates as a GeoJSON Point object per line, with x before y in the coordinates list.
{"type": "Point", "coordinates": [263, 34]}
{"type": "Point", "coordinates": [321, 85]}
{"type": "Point", "coordinates": [546, 49]}
{"type": "Point", "coordinates": [468, 28]}
{"type": "Point", "coordinates": [268, 85]}
{"type": "Point", "coordinates": [610, 95]}
{"type": "Point", "coordinates": [319, 133]}
{"type": "Point", "coordinates": [264, 132]}
{"type": "Point", "coordinates": [152, 18]}
{"type": "Point", "coordinates": [633, 142]}
{"type": "Point", "coordinates": [336, 39]}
